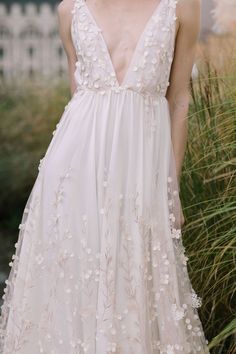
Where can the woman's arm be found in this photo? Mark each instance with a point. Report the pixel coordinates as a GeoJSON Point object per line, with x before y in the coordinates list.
{"type": "Point", "coordinates": [64, 19]}
{"type": "Point", "coordinates": [178, 94]}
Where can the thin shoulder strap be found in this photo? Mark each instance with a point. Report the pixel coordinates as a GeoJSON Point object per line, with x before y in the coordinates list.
{"type": "Point", "coordinates": [74, 24]}
{"type": "Point", "coordinates": [173, 4]}
{"type": "Point", "coordinates": [74, 7]}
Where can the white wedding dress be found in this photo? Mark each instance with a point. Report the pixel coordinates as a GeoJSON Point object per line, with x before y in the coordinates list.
{"type": "Point", "coordinates": [99, 266]}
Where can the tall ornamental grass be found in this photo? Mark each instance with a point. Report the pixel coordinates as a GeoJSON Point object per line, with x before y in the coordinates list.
{"type": "Point", "coordinates": [208, 191]}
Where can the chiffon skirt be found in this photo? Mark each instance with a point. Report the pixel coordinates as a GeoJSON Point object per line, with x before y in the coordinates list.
{"type": "Point", "coordinates": [99, 265]}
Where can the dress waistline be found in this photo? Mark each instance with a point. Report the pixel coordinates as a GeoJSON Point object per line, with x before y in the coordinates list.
{"type": "Point", "coordinates": [118, 89]}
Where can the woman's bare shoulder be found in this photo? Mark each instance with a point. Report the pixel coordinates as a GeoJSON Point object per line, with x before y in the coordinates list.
{"type": "Point", "coordinates": [188, 11]}
{"type": "Point", "coordinates": [189, 16]}
{"type": "Point", "coordinates": [64, 7]}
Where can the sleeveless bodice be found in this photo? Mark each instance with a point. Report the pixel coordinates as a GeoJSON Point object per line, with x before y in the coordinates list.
{"type": "Point", "coordinates": [149, 68]}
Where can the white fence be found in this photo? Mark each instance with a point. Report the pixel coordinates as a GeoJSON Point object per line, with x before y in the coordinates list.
{"type": "Point", "coordinates": [30, 42]}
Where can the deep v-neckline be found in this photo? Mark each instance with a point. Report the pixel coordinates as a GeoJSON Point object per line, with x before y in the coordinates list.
{"type": "Point", "coordinates": [138, 43]}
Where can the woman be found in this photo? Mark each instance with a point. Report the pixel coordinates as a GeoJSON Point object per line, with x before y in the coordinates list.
{"type": "Point", "coordinates": [99, 265]}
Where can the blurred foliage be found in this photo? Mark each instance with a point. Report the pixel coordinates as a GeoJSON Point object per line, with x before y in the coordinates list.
{"type": "Point", "coordinates": [29, 114]}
